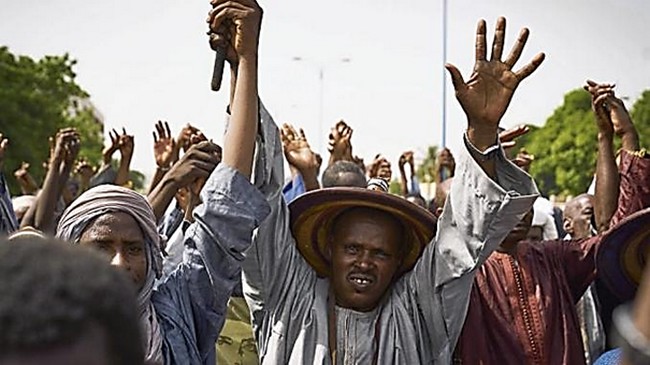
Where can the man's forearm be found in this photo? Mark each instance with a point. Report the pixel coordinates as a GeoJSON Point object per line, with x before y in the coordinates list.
{"type": "Point", "coordinates": [162, 196]}
{"type": "Point", "coordinates": [482, 139]}
{"type": "Point", "coordinates": [310, 179]}
{"type": "Point", "coordinates": [403, 181]}
{"type": "Point", "coordinates": [233, 82]}
{"type": "Point", "coordinates": [630, 140]}
{"type": "Point", "coordinates": [607, 182]}
{"type": "Point", "coordinates": [40, 214]}
{"type": "Point", "coordinates": [123, 171]}
{"type": "Point", "coordinates": [157, 177]}
{"type": "Point", "coordinates": [239, 141]}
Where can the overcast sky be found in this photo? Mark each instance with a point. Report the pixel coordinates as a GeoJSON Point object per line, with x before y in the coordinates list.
{"type": "Point", "coordinates": [146, 60]}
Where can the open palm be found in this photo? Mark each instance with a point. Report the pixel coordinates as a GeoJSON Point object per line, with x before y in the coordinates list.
{"type": "Point", "coordinates": [164, 146]}
{"type": "Point", "coordinates": [487, 94]}
{"type": "Point", "coordinates": [297, 150]}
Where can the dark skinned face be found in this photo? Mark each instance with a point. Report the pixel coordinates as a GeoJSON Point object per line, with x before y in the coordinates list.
{"type": "Point", "coordinates": [365, 257]}
{"type": "Point", "coordinates": [577, 216]}
{"type": "Point", "coordinates": [119, 237]}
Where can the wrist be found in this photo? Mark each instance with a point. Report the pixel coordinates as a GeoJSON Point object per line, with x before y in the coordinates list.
{"type": "Point", "coordinates": [481, 136]}
{"type": "Point", "coordinates": [168, 182]}
{"type": "Point", "coordinates": [126, 159]}
{"type": "Point", "coordinates": [605, 136]}
{"type": "Point", "coordinates": [627, 133]}
{"type": "Point", "coordinates": [309, 174]}
{"type": "Point", "coordinates": [249, 60]}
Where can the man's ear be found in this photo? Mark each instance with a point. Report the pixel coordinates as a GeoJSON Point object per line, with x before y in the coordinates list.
{"type": "Point", "coordinates": [568, 225]}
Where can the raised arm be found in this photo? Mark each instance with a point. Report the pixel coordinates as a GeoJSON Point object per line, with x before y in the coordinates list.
{"type": "Point", "coordinates": [231, 209]}
{"type": "Point", "coordinates": [126, 154]}
{"type": "Point", "coordinates": [197, 163]}
{"type": "Point", "coordinates": [607, 177]}
{"type": "Point", "coordinates": [165, 152]}
{"type": "Point", "coordinates": [445, 165]}
{"type": "Point", "coordinates": [109, 151]}
{"type": "Point", "coordinates": [623, 125]}
{"type": "Point", "coordinates": [26, 181]}
{"type": "Point", "coordinates": [339, 145]}
{"type": "Point", "coordinates": [403, 158]}
{"type": "Point", "coordinates": [264, 277]}
{"type": "Point", "coordinates": [489, 195]}
{"type": "Point", "coordinates": [246, 15]}
{"type": "Point", "coordinates": [487, 94]}
{"type": "Point", "coordinates": [302, 160]}
{"type": "Point", "coordinates": [41, 214]}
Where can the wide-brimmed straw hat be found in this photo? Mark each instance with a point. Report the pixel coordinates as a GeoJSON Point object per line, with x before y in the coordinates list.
{"type": "Point", "coordinates": [313, 213]}
{"type": "Point", "coordinates": [623, 254]}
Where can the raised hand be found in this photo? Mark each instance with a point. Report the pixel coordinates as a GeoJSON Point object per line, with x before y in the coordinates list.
{"type": "Point", "coordinates": [184, 137]}
{"type": "Point", "coordinates": [22, 171]}
{"type": "Point", "coordinates": [26, 181]}
{"type": "Point", "coordinates": [339, 146]}
{"type": "Point", "coordinates": [63, 144]}
{"type": "Point", "coordinates": [524, 159]}
{"type": "Point", "coordinates": [237, 23]}
{"type": "Point", "coordinates": [297, 150]}
{"type": "Point", "coordinates": [380, 168]}
{"type": "Point", "coordinates": [107, 153]}
{"type": "Point", "coordinates": [489, 90]}
{"type": "Point", "coordinates": [66, 148]}
{"type": "Point", "coordinates": [199, 162]}
{"type": "Point", "coordinates": [300, 156]}
{"type": "Point", "coordinates": [445, 165]}
{"type": "Point", "coordinates": [600, 93]}
{"type": "Point", "coordinates": [84, 170]}
{"type": "Point", "coordinates": [164, 146]}
{"type": "Point", "coordinates": [126, 144]}
{"type": "Point", "coordinates": [405, 158]}
{"type": "Point", "coordinates": [612, 109]}
{"type": "Point", "coordinates": [72, 147]}
{"type": "Point", "coordinates": [235, 26]}
{"type": "Point", "coordinates": [509, 137]}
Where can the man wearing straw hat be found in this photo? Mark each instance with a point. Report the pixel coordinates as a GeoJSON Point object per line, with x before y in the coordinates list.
{"type": "Point", "coordinates": [348, 275]}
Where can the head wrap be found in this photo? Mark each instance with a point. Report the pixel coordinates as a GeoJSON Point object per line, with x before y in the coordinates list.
{"type": "Point", "coordinates": [105, 199]}
{"type": "Point", "coordinates": [378, 184]}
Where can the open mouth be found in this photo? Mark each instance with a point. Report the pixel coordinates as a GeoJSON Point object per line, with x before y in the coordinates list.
{"type": "Point", "coordinates": [361, 281]}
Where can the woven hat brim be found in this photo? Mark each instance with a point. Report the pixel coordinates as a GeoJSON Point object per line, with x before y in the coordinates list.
{"type": "Point", "coordinates": [623, 254]}
{"type": "Point", "coordinates": [312, 215]}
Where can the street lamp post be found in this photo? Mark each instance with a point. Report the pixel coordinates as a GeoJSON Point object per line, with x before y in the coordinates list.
{"type": "Point", "coordinates": [321, 95]}
{"type": "Point", "coordinates": [444, 73]}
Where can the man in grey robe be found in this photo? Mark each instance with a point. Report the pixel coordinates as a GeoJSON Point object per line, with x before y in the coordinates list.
{"type": "Point", "coordinates": [303, 314]}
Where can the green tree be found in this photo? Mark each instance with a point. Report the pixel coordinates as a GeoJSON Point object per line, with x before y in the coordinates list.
{"type": "Point", "coordinates": [137, 179]}
{"type": "Point", "coordinates": [565, 147]}
{"type": "Point", "coordinates": [641, 117]}
{"type": "Point", "coordinates": [35, 102]}
{"type": "Point", "coordinates": [427, 169]}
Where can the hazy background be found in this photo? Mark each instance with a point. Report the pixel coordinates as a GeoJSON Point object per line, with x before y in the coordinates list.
{"type": "Point", "coordinates": [146, 60]}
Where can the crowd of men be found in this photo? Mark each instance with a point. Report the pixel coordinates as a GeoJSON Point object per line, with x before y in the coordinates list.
{"type": "Point", "coordinates": [225, 261]}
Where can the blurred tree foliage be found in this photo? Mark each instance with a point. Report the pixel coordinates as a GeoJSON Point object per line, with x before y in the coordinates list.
{"type": "Point", "coordinates": [641, 117]}
{"type": "Point", "coordinates": [426, 170]}
{"type": "Point", "coordinates": [565, 147]}
{"type": "Point", "coordinates": [36, 100]}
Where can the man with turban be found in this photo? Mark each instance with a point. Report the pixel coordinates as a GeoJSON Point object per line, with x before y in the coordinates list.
{"type": "Point", "coordinates": [182, 316]}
